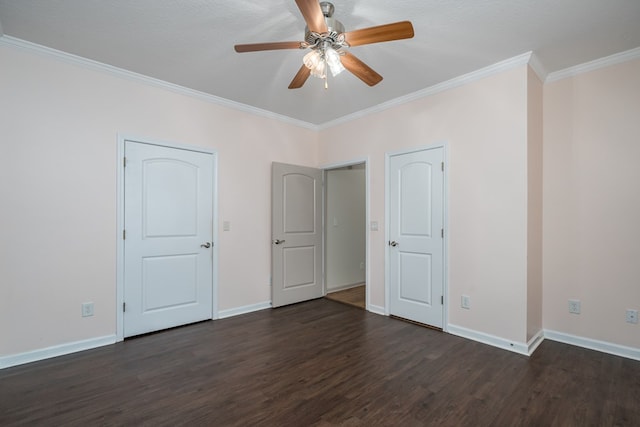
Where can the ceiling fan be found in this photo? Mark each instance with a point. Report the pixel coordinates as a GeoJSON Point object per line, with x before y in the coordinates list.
{"type": "Point", "coordinates": [327, 40]}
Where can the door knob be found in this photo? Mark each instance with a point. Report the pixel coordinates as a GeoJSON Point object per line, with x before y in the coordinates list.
{"type": "Point", "coordinates": [393, 243]}
{"type": "Point", "coordinates": [206, 245]}
{"type": "Point", "coordinates": [278, 241]}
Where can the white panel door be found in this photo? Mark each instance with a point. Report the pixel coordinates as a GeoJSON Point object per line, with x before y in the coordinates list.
{"type": "Point", "coordinates": [168, 246]}
{"type": "Point", "coordinates": [416, 245]}
{"type": "Point", "coordinates": [296, 234]}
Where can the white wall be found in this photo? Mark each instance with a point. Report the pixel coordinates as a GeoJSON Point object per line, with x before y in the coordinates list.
{"type": "Point", "coordinates": [485, 126]}
{"type": "Point", "coordinates": [592, 203]}
{"type": "Point", "coordinates": [345, 227]}
{"type": "Point", "coordinates": [58, 140]}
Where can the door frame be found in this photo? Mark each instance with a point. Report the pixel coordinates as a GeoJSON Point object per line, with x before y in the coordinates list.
{"type": "Point", "coordinates": [338, 165]}
{"type": "Point", "coordinates": [445, 224]}
{"type": "Point", "coordinates": [121, 140]}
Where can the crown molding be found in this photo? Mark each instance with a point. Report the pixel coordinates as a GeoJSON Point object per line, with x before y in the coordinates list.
{"type": "Point", "coordinates": [537, 67]}
{"type": "Point", "coordinates": [473, 76]}
{"type": "Point", "coordinates": [528, 58]}
{"type": "Point", "coordinates": [140, 78]}
{"type": "Point", "coordinates": [617, 58]}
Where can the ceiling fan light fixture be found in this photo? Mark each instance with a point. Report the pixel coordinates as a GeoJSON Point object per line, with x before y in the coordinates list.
{"type": "Point", "coordinates": [318, 60]}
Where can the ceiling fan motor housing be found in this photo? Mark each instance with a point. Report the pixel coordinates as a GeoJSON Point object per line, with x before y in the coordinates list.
{"type": "Point", "coordinates": [333, 38]}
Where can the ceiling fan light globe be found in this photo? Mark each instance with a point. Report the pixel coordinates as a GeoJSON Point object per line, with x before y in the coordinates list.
{"type": "Point", "coordinates": [336, 69]}
{"type": "Point", "coordinates": [320, 70]}
{"type": "Point", "coordinates": [333, 61]}
{"type": "Point", "coordinates": [312, 59]}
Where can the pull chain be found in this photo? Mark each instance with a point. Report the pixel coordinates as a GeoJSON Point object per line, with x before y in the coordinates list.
{"type": "Point", "coordinates": [326, 75]}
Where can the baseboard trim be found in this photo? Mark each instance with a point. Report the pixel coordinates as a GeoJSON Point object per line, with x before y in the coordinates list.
{"type": "Point", "coordinates": [531, 346]}
{"type": "Point", "coordinates": [222, 314]}
{"type": "Point", "coordinates": [591, 344]}
{"type": "Point", "coordinates": [535, 341]}
{"type": "Point", "coordinates": [376, 309]}
{"type": "Point", "coordinates": [55, 351]}
{"type": "Point", "coordinates": [514, 346]}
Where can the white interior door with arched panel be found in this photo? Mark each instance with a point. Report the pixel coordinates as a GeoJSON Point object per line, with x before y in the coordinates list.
{"type": "Point", "coordinates": [296, 245]}
{"type": "Point", "coordinates": [415, 251]}
{"type": "Point", "coordinates": [167, 237]}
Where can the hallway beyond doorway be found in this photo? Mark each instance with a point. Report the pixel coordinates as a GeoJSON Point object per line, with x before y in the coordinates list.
{"type": "Point", "coordinates": [353, 296]}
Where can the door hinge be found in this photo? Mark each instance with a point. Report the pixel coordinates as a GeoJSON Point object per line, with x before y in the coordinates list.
{"type": "Point", "coordinates": [442, 166]}
{"type": "Point", "coordinates": [442, 233]}
{"type": "Point", "coordinates": [124, 234]}
{"type": "Point", "coordinates": [124, 306]}
{"type": "Point", "coordinates": [124, 162]}
{"type": "Point", "coordinates": [442, 299]}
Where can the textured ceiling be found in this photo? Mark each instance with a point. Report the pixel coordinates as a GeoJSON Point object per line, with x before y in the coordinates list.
{"type": "Point", "coordinates": [190, 43]}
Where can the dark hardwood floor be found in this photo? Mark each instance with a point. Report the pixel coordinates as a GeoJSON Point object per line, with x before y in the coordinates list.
{"type": "Point", "coordinates": [320, 363]}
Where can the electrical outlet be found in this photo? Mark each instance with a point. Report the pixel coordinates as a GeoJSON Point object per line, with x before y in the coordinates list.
{"type": "Point", "coordinates": [466, 302]}
{"type": "Point", "coordinates": [362, 266]}
{"type": "Point", "coordinates": [574, 306]}
{"type": "Point", "coordinates": [87, 309]}
{"type": "Point", "coordinates": [632, 316]}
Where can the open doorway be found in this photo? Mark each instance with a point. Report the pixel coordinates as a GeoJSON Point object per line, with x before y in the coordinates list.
{"type": "Point", "coordinates": [345, 234]}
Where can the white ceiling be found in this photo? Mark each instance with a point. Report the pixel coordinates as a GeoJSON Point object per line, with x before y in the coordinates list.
{"type": "Point", "coordinates": [190, 43]}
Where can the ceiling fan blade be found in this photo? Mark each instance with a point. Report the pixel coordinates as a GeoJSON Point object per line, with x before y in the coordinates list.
{"type": "Point", "coordinates": [313, 16]}
{"type": "Point", "coordinates": [254, 47]}
{"type": "Point", "coordinates": [360, 69]}
{"type": "Point", "coordinates": [300, 78]}
{"type": "Point", "coordinates": [381, 33]}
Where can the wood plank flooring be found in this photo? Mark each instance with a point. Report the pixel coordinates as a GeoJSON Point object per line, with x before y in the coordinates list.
{"type": "Point", "coordinates": [320, 363]}
{"type": "Point", "coordinates": [353, 296]}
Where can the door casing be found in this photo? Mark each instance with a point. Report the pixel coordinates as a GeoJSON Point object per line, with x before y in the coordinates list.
{"type": "Point", "coordinates": [387, 207]}
{"type": "Point", "coordinates": [120, 210]}
{"type": "Point", "coordinates": [326, 167]}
